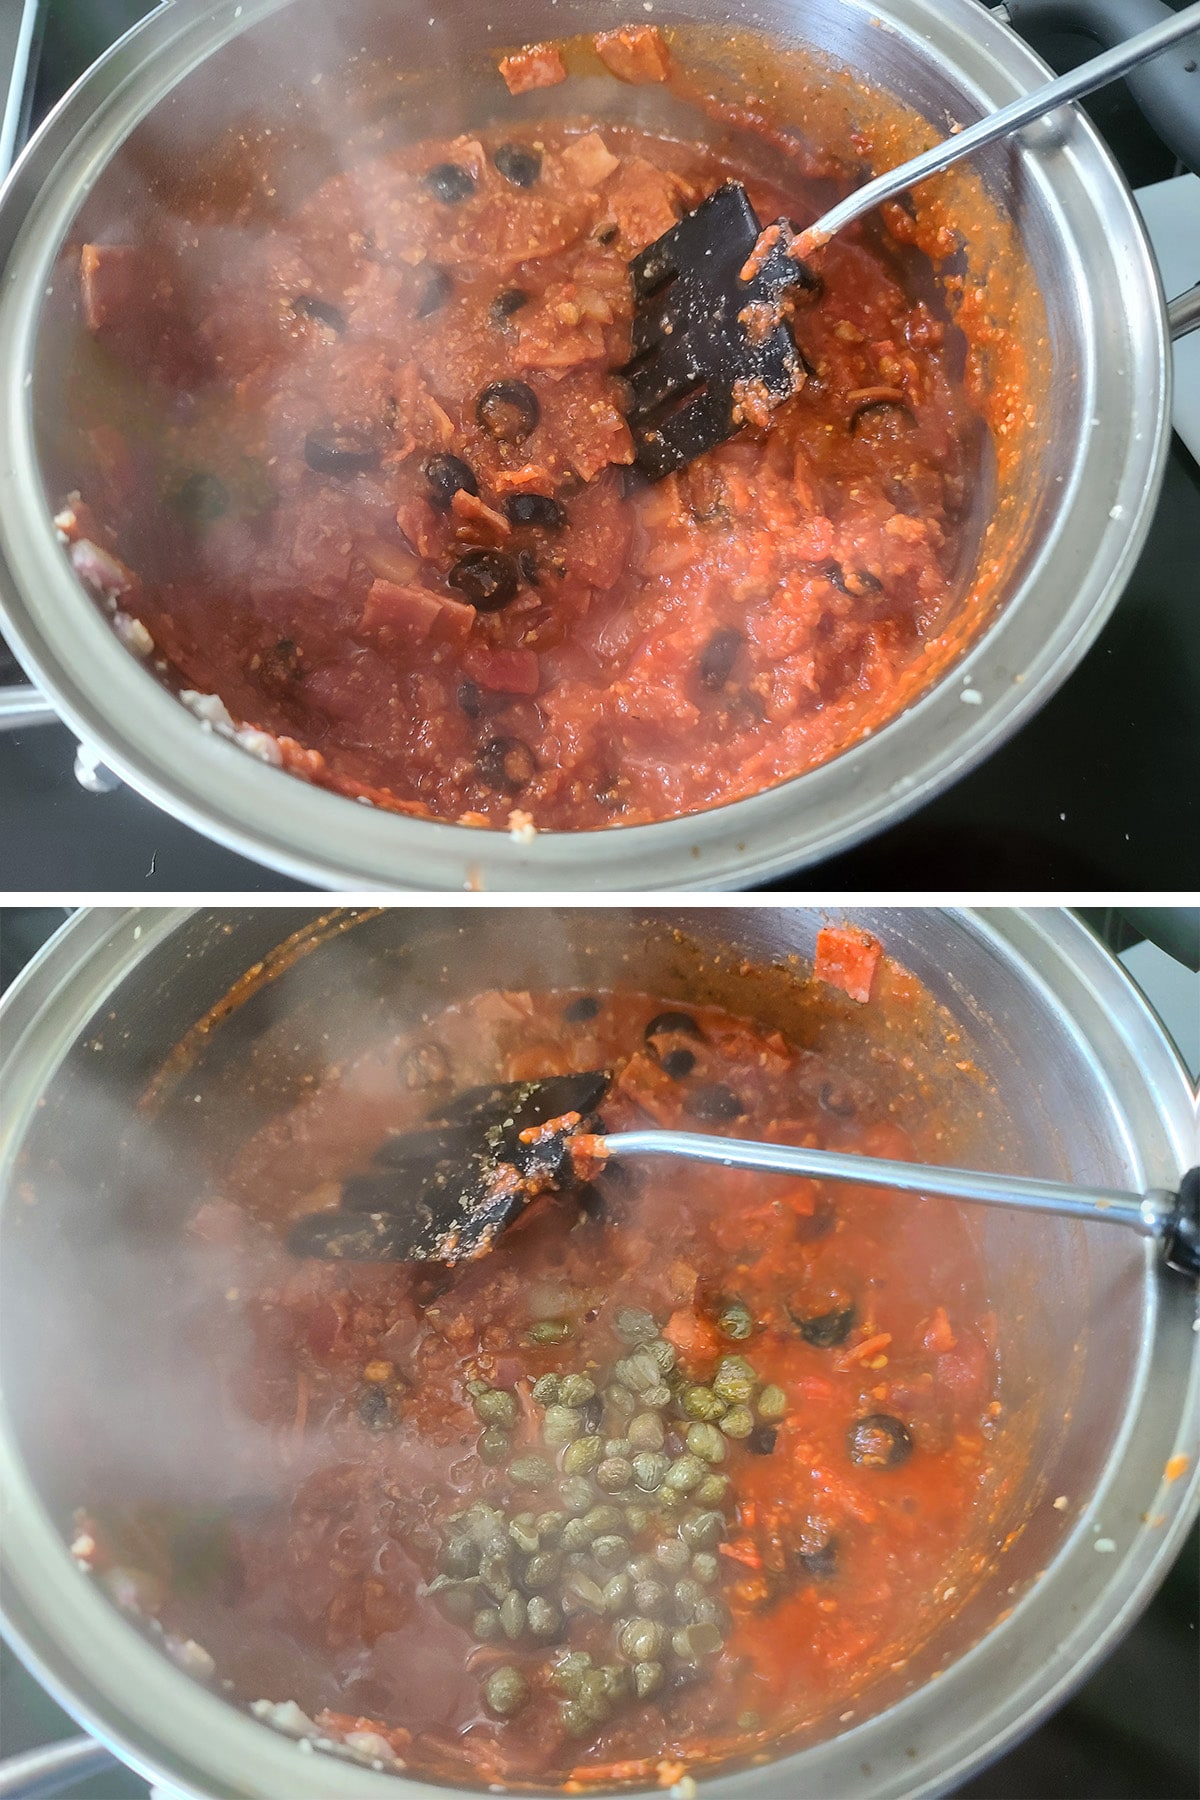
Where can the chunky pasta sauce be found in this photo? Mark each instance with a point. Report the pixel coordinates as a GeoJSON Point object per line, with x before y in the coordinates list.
{"type": "Point", "coordinates": [672, 1474]}
{"type": "Point", "coordinates": [388, 516]}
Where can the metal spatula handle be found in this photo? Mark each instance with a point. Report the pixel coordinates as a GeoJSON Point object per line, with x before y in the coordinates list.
{"type": "Point", "coordinates": [1161, 1215]}
{"type": "Point", "coordinates": [1083, 80]}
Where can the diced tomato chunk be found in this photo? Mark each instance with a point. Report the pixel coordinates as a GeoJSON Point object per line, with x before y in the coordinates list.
{"type": "Point", "coordinates": [536, 66]}
{"type": "Point", "coordinates": [503, 671]}
{"type": "Point", "coordinates": [412, 614]}
{"type": "Point", "coordinates": [846, 959]}
{"type": "Point", "coordinates": [635, 53]}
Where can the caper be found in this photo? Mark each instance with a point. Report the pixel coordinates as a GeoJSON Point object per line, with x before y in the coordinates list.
{"type": "Point", "coordinates": [672, 1555]}
{"type": "Point", "coordinates": [505, 1691]}
{"type": "Point", "coordinates": [706, 1442]}
{"type": "Point", "coordinates": [494, 1573]}
{"type": "Point", "coordinates": [569, 1670]}
{"type": "Point", "coordinates": [701, 1530]}
{"type": "Point", "coordinates": [641, 1639]}
{"type": "Point", "coordinates": [616, 1592]}
{"type": "Point", "coordinates": [735, 1380]}
{"type": "Point", "coordinates": [574, 1720]}
{"type": "Point", "coordinates": [523, 1533]}
{"type": "Point", "coordinates": [459, 1558]}
{"type": "Point", "coordinates": [702, 1403]}
{"type": "Point", "coordinates": [695, 1641]}
{"type": "Point", "coordinates": [663, 1353]}
{"type": "Point", "coordinates": [650, 1597]}
{"type": "Point", "coordinates": [617, 1446]}
{"type": "Point", "coordinates": [546, 1390]}
{"type": "Point", "coordinates": [603, 1519]}
{"type": "Point", "coordinates": [659, 1395]}
{"type": "Point", "coordinates": [549, 1331]}
{"type": "Point", "coordinates": [541, 1571]}
{"type": "Point", "coordinates": [620, 1402]}
{"type": "Point", "coordinates": [738, 1422]}
{"type": "Point", "coordinates": [637, 1372]}
{"type": "Point", "coordinates": [487, 1527]}
{"type": "Point", "coordinates": [581, 1456]}
{"type": "Point", "coordinates": [647, 1679]}
{"type": "Point", "coordinates": [646, 1431]}
{"type": "Point", "coordinates": [749, 1720]}
{"type": "Point", "coordinates": [772, 1403]}
{"type": "Point", "coordinates": [543, 1617]}
{"type": "Point", "coordinates": [634, 1325]}
{"type": "Point", "coordinates": [687, 1596]}
{"type": "Point", "coordinates": [636, 1519]}
{"type": "Point", "coordinates": [585, 1589]}
{"type": "Point", "coordinates": [710, 1611]}
{"type": "Point", "coordinates": [530, 1471]}
{"type": "Point", "coordinates": [705, 1567]}
{"type": "Point", "coordinates": [610, 1549]}
{"type": "Point", "coordinates": [496, 1406]}
{"type": "Point", "coordinates": [486, 1624]}
{"type": "Point", "coordinates": [561, 1425]}
{"type": "Point", "coordinates": [459, 1601]}
{"type": "Point", "coordinates": [649, 1469]}
{"type": "Point", "coordinates": [493, 1445]}
{"type": "Point", "coordinates": [576, 1390]}
{"type": "Point", "coordinates": [512, 1614]}
{"type": "Point", "coordinates": [614, 1474]}
{"type": "Point", "coordinates": [594, 1694]}
{"type": "Point", "coordinates": [549, 1525]}
{"type": "Point", "coordinates": [576, 1494]}
{"type": "Point", "coordinates": [684, 1473]}
{"type": "Point", "coordinates": [735, 1320]}
{"type": "Point", "coordinates": [576, 1535]}
{"type": "Point", "coordinates": [712, 1490]}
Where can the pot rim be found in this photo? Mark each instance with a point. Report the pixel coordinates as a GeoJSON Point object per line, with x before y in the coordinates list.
{"type": "Point", "coordinates": [1018, 659]}
{"type": "Point", "coordinates": [93, 1669]}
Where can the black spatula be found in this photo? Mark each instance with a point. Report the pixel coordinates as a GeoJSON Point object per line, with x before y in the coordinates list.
{"type": "Point", "coordinates": [444, 1192]}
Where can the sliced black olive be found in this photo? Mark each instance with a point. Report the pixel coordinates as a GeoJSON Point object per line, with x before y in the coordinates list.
{"type": "Point", "coordinates": [489, 579]}
{"type": "Point", "coordinates": [762, 1440]}
{"type": "Point", "coordinates": [835, 1100]}
{"type": "Point", "coordinates": [450, 182]}
{"type": "Point", "coordinates": [894, 418]}
{"type": "Point", "coordinates": [527, 563]}
{"type": "Point", "coordinates": [439, 285]}
{"type": "Point", "coordinates": [672, 1024]}
{"type": "Point", "coordinates": [309, 307]}
{"type": "Point", "coordinates": [578, 1012]}
{"type": "Point", "coordinates": [535, 509]}
{"type": "Point", "coordinates": [715, 1102]}
{"type": "Point", "coordinates": [879, 1442]}
{"type": "Point", "coordinates": [449, 475]}
{"type": "Point", "coordinates": [718, 657]}
{"type": "Point", "coordinates": [864, 581]}
{"type": "Point", "coordinates": [470, 699]}
{"type": "Point", "coordinates": [518, 164]}
{"type": "Point", "coordinates": [507, 302]}
{"type": "Point", "coordinates": [825, 1330]}
{"type": "Point", "coordinates": [821, 1559]}
{"type": "Point", "coordinates": [506, 763]}
{"type": "Point", "coordinates": [678, 1063]}
{"type": "Point", "coordinates": [351, 1236]}
{"type": "Point", "coordinates": [374, 1408]}
{"type": "Point", "coordinates": [508, 410]}
{"type": "Point", "coordinates": [200, 499]}
{"type": "Point", "coordinates": [340, 450]}
{"type": "Point", "coordinates": [519, 1104]}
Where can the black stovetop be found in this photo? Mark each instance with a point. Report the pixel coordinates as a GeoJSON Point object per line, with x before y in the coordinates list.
{"type": "Point", "coordinates": [1101, 791]}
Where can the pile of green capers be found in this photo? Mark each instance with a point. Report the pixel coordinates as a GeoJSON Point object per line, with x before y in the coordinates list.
{"type": "Point", "coordinates": [628, 1530]}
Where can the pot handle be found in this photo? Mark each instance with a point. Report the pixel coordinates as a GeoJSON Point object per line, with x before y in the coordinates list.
{"type": "Point", "coordinates": [1181, 1247]}
{"type": "Point", "coordinates": [39, 1773]}
{"type": "Point", "coordinates": [1167, 89]}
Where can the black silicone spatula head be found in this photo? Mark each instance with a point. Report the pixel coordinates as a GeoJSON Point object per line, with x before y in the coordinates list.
{"type": "Point", "coordinates": [711, 351]}
{"type": "Point", "coordinates": [444, 1192]}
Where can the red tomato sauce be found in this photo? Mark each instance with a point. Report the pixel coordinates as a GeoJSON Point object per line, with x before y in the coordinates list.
{"type": "Point", "coordinates": [464, 605]}
{"type": "Point", "coordinates": [850, 1512]}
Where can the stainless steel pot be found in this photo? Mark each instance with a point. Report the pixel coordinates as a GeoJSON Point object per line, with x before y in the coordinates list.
{"type": "Point", "coordinates": [1103, 1363]}
{"type": "Point", "coordinates": [1092, 479]}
